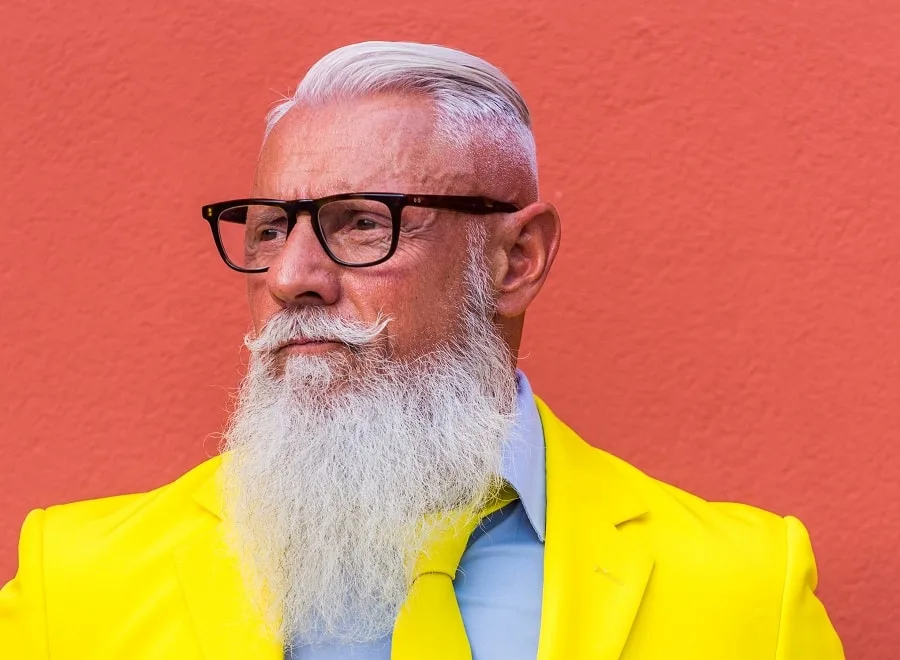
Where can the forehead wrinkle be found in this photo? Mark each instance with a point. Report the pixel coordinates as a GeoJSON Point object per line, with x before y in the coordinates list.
{"type": "Point", "coordinates": [316, 153]}
{"type": "Point", "coordinates": [410, 174]}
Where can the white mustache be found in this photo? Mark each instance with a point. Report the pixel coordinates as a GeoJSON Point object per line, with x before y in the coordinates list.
{"type": "Point", "coordinates": [313, 323]}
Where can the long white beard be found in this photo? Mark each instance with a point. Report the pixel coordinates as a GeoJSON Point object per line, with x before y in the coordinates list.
{"type": "Point", "coordinates": [334, 465]}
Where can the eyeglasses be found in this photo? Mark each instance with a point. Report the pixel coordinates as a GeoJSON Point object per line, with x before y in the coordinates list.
{"type": "Point", "coordinates": [354, 229]}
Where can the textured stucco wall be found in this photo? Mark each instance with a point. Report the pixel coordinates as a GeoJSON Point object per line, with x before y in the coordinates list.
{"type": "Point", "coordinates": [725, 311]}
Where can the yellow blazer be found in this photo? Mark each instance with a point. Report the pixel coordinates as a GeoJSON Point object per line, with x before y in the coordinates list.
{"type": "Point", "coordinates": [634, 569]}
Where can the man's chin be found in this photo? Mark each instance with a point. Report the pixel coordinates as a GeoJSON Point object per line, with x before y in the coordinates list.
{"type": "Point", "coordinates": [329, 370]}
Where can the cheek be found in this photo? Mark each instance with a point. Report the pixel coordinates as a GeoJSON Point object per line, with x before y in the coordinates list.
{"type": "Point", "coordinates": [259, 301]}
{"type": "Point", "coordinates": [425, 308]}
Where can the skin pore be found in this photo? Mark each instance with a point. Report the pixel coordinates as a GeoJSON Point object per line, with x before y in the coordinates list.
{"type": "Point", "coordinates": [387, 143]}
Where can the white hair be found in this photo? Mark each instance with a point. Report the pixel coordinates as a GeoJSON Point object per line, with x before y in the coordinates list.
{"type": "Point", "coordinates": [471, 97]}
{"type": "Point", "coordinates": [337, 475]}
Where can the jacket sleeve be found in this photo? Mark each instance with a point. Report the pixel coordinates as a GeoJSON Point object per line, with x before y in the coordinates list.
{"type": "Point", "coordinates": [805, 631]}
{"type": "Point", "coordinates": [23, 619]}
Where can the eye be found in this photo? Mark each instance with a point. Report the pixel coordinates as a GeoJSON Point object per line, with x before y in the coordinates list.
{"type": "Point", "coordinates": [269, 234]}
{"type": "Point", "coordinates": [365, 223]}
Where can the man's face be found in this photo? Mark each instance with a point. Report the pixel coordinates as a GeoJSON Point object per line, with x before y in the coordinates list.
{"type": "Point", "coordinates": [331, 479]}
{"type": "Point", "coordinates": [379, 144]}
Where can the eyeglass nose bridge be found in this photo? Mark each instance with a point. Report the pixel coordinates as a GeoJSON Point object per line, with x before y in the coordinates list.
{"type": "Point", "coordinates": [309, 208]}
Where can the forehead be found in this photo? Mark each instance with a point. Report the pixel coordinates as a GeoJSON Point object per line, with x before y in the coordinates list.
{"type": "Point", "coordinates": [386, 143]}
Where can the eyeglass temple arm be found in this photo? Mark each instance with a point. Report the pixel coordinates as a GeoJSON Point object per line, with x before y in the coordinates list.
{"type": "Point", "coordinates": [476, 205]}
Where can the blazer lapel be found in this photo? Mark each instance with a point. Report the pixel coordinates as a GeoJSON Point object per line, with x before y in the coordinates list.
{"type": "Point", "coordinates": [594, 576]}
{"type": "Point", "coordinates": [226, 624]}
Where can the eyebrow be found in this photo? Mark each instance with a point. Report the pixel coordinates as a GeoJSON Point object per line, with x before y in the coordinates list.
{"type": "Point", "coordinates": [335, 186]}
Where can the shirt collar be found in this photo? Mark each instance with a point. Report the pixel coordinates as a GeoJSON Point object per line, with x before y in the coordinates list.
{"type": "Point", "coordinates": [524, 464]}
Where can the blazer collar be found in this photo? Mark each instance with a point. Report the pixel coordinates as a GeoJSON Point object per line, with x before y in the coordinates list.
{"type": "Point", "coordinates": [209, 493]}
{"type": "Point", "coordinates": [594, 575]}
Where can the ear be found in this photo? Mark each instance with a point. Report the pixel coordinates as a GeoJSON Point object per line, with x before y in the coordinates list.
{"type": "Point", "coordinates": [526, 245]}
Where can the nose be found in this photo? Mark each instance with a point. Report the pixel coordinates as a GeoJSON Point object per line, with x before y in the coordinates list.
{"type": "Point", "coordinates": [303, 274]}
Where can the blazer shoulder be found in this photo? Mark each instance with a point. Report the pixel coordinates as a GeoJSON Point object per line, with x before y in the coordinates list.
{"type": "Point", "coordinates": [749, 571]}
{"type": "Point", "coordinates": [737, 559]}
{"type": "Point", "coordinates": [83, 566]}
{"type": "Point", "coordinates": [623, 493]}
{"type": "Point", "coordinates": [681, 513]}
{"type": "Point", "coordinates": [95, 530]}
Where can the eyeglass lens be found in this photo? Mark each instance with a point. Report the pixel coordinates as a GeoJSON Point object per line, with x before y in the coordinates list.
{"type": "Point", "coordinates": [356, 231]}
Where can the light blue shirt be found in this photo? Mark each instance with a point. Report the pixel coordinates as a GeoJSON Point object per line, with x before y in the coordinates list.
{"type": "Point", "coordinates": [501, 575]}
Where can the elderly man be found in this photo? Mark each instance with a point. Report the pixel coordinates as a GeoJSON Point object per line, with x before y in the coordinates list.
{"type": "Point", "coordinates": [390, 486]}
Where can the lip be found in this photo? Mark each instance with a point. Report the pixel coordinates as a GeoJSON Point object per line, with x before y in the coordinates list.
{"type": "Point", "coordinates": [303, 345]}
{"type": "Point", "coordinates": [302, 341]}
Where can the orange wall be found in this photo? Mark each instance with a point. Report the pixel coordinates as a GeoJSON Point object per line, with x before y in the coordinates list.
{"type": "Point", "coordinates": [725, 311]}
